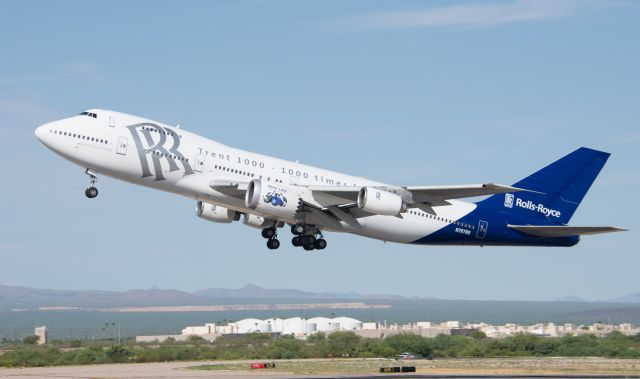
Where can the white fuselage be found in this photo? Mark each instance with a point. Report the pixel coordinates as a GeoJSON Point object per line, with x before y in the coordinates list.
{"type": "Point", "coordinates": [164, 157]}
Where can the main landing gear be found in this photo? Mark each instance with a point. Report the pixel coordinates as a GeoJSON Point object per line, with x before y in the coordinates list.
{"type": "Point", "coordinates": [307, 236]}
{"type": "Point", "coordinates": [91, 191]}
{"type": "Point", "coordinates": [271, 234]}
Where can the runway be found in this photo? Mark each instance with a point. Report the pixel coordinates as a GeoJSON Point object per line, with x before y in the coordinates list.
{"type": "Point", "coordinates": [182, 370]}
{"type": "Point", "coordinates": [438, 376]}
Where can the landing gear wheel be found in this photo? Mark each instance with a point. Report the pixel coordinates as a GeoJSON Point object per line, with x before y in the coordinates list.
{"type": "Point", "coordinates": [91, 192]}
{"type": "Point", "coordinates": [308, 247]}
{"type": "Point", "coordinates": [297, 229]}
{"type": "Point", "coordinates": [320, 244]}
{"type": "Point", "coordinates": [308, 240]}
{"type": "Point", "coordinates": [296, 241]}
{"type": "Point", "coordinates": [268, 232]}
{"type": "Point", "coordinates": [273, 244]}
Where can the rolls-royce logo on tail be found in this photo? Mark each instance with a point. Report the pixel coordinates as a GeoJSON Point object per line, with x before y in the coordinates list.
{"type": "Point", "coordinates": [508, 200]}
{"type": "Point", "coordinates": [276, 199]}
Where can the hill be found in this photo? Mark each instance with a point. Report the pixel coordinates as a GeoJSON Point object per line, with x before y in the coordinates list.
{"type": "Point", "coordinates": [630, 298]}
{"type": "Point", "coordinates": [13, 297]}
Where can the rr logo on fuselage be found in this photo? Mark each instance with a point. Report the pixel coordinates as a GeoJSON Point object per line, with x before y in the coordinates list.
{"type": "Point", "coordinates": [155, 143]}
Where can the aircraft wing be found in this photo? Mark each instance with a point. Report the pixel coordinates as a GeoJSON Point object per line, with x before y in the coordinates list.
{"type": "Point", "coordinates": [330, 204]}
{"type": "Point", "coordinates": [422, 197]}
{"type": "Point", "coordinates": [437, 195]}
{"type": "Point", "coordinates": [563, 231]}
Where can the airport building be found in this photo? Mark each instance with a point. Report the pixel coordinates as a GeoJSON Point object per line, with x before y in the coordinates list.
{"type": "Point", "coordinates": [42, 334]}
{"type": "Point", "coordinates": [303, 327]}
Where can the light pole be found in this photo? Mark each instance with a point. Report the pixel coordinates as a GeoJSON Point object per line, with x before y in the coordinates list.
{"type": "Point", "coordinates": [111, 330]}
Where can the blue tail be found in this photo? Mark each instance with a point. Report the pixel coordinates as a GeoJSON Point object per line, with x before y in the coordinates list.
{"type": "Point", "coordinates": [562, 186]}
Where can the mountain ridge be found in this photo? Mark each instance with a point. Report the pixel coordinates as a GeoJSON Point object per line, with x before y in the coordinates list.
{"type": "Point", "coordinates": [20, 297]}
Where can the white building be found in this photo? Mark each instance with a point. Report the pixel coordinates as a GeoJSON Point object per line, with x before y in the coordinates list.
{"type": "Point", "coordinates": [42, 334]}
{"type": "Point", "coordinates": [301, 327]}
{"type": "Point", "coordinates": [322, 324]}
{"type": "Point", "coordinates": [251, 325]}
{"type": "Point", "coordinates": [347, 323]}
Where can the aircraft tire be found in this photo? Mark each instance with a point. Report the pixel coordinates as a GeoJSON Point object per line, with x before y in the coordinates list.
{"type": "Point", "coordinates": [268, 232]}
{"type": "Point", "coordinates": [297, 229]}
{"type": "Point", "coordinates": [91, 192]}
{"type": "Point", "coordinates": [273, 244]}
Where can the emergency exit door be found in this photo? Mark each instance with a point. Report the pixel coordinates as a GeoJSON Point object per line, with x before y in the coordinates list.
{"type": "Point", "coordinates": [123, 142]}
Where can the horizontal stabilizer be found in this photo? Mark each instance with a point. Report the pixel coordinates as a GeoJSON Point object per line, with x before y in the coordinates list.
{"type": "Point", "coordinates": [563, 231]}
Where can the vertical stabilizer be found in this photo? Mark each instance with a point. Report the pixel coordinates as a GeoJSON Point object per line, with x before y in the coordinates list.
{"type": "Point", "coordinates": [562, 186]}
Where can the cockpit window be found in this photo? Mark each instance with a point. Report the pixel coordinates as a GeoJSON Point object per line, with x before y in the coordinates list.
{"type": "Point", "coordinates": [94, 115]}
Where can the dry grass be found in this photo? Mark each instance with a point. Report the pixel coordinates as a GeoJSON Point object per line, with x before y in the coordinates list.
{"type": "Point", "coordinates": [505, 366]}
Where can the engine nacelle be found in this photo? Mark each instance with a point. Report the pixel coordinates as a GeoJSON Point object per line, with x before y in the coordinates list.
{"type": "Point", "coordinates": [257, 222]}
{"type": "Point", "coordinates": [272, 200]}
{"type": "Point", "coordinates": [215, 213]}
{"type": "Point", "coordinates": [380, 202]}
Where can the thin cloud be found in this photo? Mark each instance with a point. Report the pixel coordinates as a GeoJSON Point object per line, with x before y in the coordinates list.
{"type": "Point", "coordinates": [474, 15]}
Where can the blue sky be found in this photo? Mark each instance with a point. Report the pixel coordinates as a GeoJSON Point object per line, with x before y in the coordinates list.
{"type": "Point", "coordinates": [410, 93]}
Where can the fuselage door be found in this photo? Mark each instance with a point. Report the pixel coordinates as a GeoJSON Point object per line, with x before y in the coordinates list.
{"type": "Point", "coordinates": [199, 163]}
{"type": "Point", "coordinates": [482, 229]}
{"type": "Point", "coordinates": [112, 122]}
{"type": "Point", "coordinates": [123, 142]}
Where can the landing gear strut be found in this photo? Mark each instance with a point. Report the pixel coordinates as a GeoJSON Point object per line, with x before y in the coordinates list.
{"type": "Point", "coordinates": [271, 235]}
{"type": "Point", "coordinates": [307, 236]}
{"type": "Point", "coordinates": [91, 190]}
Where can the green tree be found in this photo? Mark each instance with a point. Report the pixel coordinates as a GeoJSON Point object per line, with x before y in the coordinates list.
{"type": "Point", "coordinates": [285, 347]}
{"type": "Point", "coordinates": [478, 335]}
{"type": "Point", "coordinates": [449, 346]}
{"type": "Point", "coordinates": [197, 340]}
{"type": "Point", "coordinates": [86, 356]}
{"type": "Point", "coordinates": [522, 343]}
{"type": "Point", "coordinates": [30, 340]}
{"type": "Point", "coordinates": [412, 343]}
{"type": "Point", "coordinates": [118, 354]}
{"type": "Point", "coordinates": [342, 344]}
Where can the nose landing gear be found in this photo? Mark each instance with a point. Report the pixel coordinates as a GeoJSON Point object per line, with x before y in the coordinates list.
{"type": "Point", "coordinates": [91, 190]}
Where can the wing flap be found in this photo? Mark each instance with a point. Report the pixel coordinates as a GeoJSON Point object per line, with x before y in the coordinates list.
{"type": "Point", "coordinates": [432, 194]}
{"type": "Point", "coordinates": [563, 231]}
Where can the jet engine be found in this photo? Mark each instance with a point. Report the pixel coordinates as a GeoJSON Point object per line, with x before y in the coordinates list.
{"type": "Point", "coordinates": [215, 213]}
{"type": "Point", "coordinates": [258, 222]}
{"type": "Point", "coordinates": [273, 200]}
{"type": "Point", "coordinates": [380, 202]}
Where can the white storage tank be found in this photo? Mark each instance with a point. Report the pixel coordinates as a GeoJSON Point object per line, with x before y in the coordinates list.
{"type": "Point", "coordinates": [251, 325]}
{"type": "Point", "coordinates": [274, 325]}
{"type": "Point", "coordinates": [309, 327]}
{"type": "Point", "coordinates": [347, 323]}
{"type": "Point", "coordinates": [294, 325]}
{"type": "Point", "coordinates": [322, 324]}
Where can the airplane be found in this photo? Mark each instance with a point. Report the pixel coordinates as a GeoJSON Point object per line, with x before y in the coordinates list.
{"type": "Point", "coordinates": [268, 193]}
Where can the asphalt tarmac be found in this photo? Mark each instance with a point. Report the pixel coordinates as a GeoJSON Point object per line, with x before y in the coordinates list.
{"type": "Point", "coordinates": [181, 370]}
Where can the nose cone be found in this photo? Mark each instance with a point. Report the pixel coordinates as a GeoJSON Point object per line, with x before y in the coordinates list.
{"type": "Point", "coordinates": [40, 133]}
